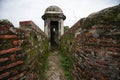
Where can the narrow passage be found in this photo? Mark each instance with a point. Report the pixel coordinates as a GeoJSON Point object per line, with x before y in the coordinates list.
{"type": "Point", "coordinates": [55, 70]}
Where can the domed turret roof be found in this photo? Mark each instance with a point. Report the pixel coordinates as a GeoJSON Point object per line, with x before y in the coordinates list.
{"type": "Point", "coordinates": [53, 12]}
{"type": "Point", "coordinates": [53, 9]}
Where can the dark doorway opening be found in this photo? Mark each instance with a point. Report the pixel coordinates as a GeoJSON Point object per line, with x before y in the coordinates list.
{"type": "Point", "coordinates": [54, 33]}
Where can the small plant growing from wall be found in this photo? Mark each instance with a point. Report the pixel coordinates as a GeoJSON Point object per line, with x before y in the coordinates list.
{"type": "Point", "coordinates": [5, 20]}
{"type": "Point", "coordinates": [66, 28]}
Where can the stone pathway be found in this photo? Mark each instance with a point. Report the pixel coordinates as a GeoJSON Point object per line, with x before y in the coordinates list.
{"type": "Point", "coordinates": [55, 70]}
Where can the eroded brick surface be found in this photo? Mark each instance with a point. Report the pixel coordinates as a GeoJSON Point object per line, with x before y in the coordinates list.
{"type": "Point", "coordinates": [3, 59]}
{"type": "Point", "coordinates": [10, 48]}
{"type": "Point", "coordinates": [12, 57]}
{"type": "Point", "coordinates": [4, 75]}
{"type": "Point", "coordinates": [21, 50]}
{"type": "Point", "coordinates": [97, 56]}
{"type": "Point", "coordinates": [7, 36]}
{"type": "Point", "coordinates": [94, 47]}
{"type": "Point", "coordinates": [16, 42]}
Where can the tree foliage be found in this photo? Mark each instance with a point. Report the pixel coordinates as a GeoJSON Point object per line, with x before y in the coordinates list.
{"type": "Point", "coordinates": [5, 20]}
{"type": "Point", "coordinates": [66, 28]}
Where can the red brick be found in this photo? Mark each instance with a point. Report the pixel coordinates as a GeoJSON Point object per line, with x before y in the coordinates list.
{"type": "Point", "coordinates": [3, 59]}
{"type": "Point", "coordinates": [17, 76]}
{"type": "Point", "coordinates": [89, 34]}
{"type": "Point", "coordinates": [17, 42]}
{"type": "Point", "coordinates": [7, 36]}
{"type": "Point", "coordinates": [15, 64]}
{"type": "Point", "coordinates": [101, 77]}
{"type": "Point", "coordinates": [94, 40]}
{"type": "Point", "coordinates": [102, 63]}
{"type": "Point", "coordinates": [93, 65]}
{"type": "Point", "coordinates": [101, 27]}
{"type": "Point", "coordinates": [14, 72]}
{"type": "Point", "coordinates": [4, 75]}
{"type": "Point", "coordinates": [114, 49]}
{"type": "Point", "coordinates": [12, 57]}
{"type": "Point", "coordinates": [80, 71]}
{"type": "Point", "coordinates": [114, 33]}
{"type": "Point", "coordinates": [4, 29]}
{"type": "Point", "coordinates": [9, 50]}
{"type": "Point", "coordinates": [115, 55]}
{"type": "Point", "coordinates": [11, 65]}
{"type": "Point", "coordinates": [110, 45]}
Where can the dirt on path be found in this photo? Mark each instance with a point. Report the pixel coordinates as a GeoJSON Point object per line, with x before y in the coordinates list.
{"type": "Point", "coordinates": [55, 70]}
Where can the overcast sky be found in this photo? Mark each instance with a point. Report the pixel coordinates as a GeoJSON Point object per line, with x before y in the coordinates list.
{"type": "Point", "coordinates": [22, 10]}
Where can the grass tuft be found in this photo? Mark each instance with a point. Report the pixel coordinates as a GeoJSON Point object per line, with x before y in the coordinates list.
{"type": "Point", "coordinates": [66, 65]}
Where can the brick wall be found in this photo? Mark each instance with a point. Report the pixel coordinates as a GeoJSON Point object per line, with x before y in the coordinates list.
{"type": "Point", "coordinates": [93, 47]}
{"type": "Point", "coordinates": [35, 49]}
{"type": "Point", "coordinates": [31, 23]}
{"type": "Point", "coordinates": [23, 52]}
{"type": "Point", "coordinates": [96, 53]}
{"type": "Point", "coordinates": [10, 52]}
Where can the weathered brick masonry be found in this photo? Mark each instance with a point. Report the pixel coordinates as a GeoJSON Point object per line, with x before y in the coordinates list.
{"type": "Point", "coordinates": [92, 45]}
{"type": "Point", "coordinates": [10, 51]}
{"type": "Point", "coordinates": [96, 53]}
{"type": "Point", "coordinates": [95, 46]}
{"type": "Point", "coordinates": [22, 51]}
{"type": "Point", "coordinates": [35, 49]}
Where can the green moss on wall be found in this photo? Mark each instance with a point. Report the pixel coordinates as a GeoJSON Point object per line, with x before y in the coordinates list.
{"type": "Point", "coordinates": [106, 16]}
{"type": "Point", "coordinates": [109, 16]}
{"type": "Point", "coordinates": [35, 47]}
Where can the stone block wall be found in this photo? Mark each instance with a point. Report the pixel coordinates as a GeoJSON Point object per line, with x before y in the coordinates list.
{"type": "Point", "coordinates": [23, 52]}
{"type": "Point", "coordinates": [95, 46]}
